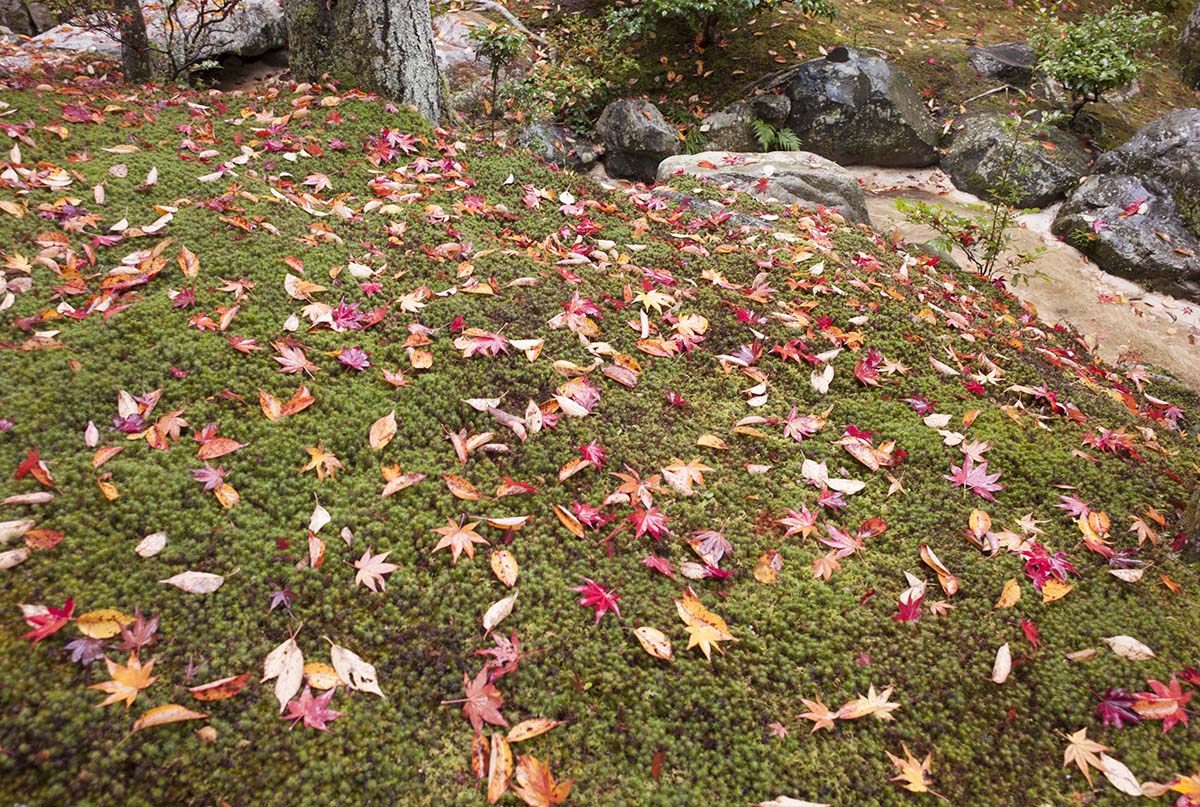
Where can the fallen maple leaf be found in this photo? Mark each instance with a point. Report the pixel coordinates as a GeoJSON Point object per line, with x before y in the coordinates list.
{"type": "Point", "coordinates": [535, 785]}
{"type": "Point", "coordinates": [459, 538]}
{"type": "Point", "coordinates": [482, 702]}
{"type": "Point", "coordinates": [914, 774]}
{"type": "Point", "coordinates": [324, 462]}
{"type": "Point", "coordinates": [597, 597]}
{"type": "Point", "coordinates": [50, 622]}
{"type": "Point", "coordinates": [313, 712]}
{"type": "Point", "coordinates": [371, 569]}
{"type": "Point", "coordinates": [1081, 751]}
{"type": "Point", "coordinates": [127, 681]}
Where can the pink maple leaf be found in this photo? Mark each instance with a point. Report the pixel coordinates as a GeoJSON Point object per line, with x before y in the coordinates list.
{"type": "Point", "coordinates": [594, 452]}
{"type": "Point", "coordinates": [660, 565]}
{"type": "Point", "coordinates": [355, 358]}
{"type": "Point", "coordinates": [313, 712]}
{"type": "Point", "coordinates": [598, 597]}
{"type": "Point", "coordinates": [975, 478]}
{"type": "Point", "coordinates": [650, 521]}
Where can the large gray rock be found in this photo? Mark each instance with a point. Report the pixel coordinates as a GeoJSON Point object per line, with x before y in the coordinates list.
{"type": "Point", "coordinates": [772, 108]}
{"type": "Point", "coordinates": [1046, 164]}
{"type": "Point", "coordinates": [787, 177]}
{"type": "Point", "coordinates": [1158, 243]}
{"type": "Point", "coordinates": [1148, 245]}
{"type": "Point", "coordinates": [1010, 62]}
{"type": "Point", "coordinates": [728, 130]}
{"type": "Point", "coordinates": [1189, 49]}
{"type": "Point", "coordinates": [559, 145]}
{"type": "Point", "coordinates": [636, 139]}
{"type": "Point", "coordinates": [25, 17]}
{"type": "Point", "coordinates": [855, 108]}
{"type": "Point", "coordinates": [1166, 149]}
{"type": "Point", "coordinates": [254, 28]}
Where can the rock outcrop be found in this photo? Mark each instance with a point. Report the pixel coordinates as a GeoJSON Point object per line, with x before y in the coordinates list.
{"type": "Point", "coordinates": [788, 177]}
{"type": "Point", "coordinates": [854, 108]}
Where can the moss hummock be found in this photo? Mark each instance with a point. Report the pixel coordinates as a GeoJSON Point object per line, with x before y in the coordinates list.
{"type": "Point", "coordinates": [454, 217]}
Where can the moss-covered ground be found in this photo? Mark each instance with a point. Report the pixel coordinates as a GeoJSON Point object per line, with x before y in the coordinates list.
{"type": "Point", "coordinates": [637, 730]}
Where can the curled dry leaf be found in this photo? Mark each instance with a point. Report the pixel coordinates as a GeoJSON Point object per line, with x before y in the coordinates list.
{"type": "Point", "coordinates": [196, 582]}
{"type": "Point", "coordinates": [162, 715]}
{"type": "Point", "coordinates": [1003, 664]}
{"type": "Point", "coordinates": [498, 611]}
{"type": "Point", "coordinates": [654, 642]}
{"type": "Point", "coordinates": [382, 431]}
{"type": "Point", "coordinates": [1129, 648]}
{"type": "Point", "coordinates": [217, 447]}
{"type": "Point", "coordinates": [151, 545]}
{"type": "Point", "coordinates": [1119, 775]}
{"type": "Point", "coordinates": [500, 768]}
{"type": "Point", "coordinates": [286, 665]}
{"type": "Point", "coordinates": [504, 566]}
{"type": "Point", "coordinates": [1010, 595]}
{"type": "Point", "coordinates": [354, 671]}
{"type": "Point", "coordinates": [222, 689]}
{"type": "Point", "coordinates": [535, 727]}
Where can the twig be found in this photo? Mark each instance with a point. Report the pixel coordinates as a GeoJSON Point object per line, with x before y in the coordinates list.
{"type": "Point", "coordinates": [516, 23]}
{"type": "Point", "coordinates": [993, 91]}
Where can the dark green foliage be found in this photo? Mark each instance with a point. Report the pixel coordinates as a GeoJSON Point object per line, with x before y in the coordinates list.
{"type": "Point", "coordinates": [1098, 53]}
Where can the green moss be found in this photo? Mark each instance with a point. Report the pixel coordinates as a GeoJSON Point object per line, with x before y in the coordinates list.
{"type": "Point", "coordinates": [800, 637]}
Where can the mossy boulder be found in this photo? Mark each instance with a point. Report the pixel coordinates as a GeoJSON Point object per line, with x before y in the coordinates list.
{"type": "Point", "coordinates": [855, 108]}
{"type": "Point", "coordinates": [1132, 228]}
{"type": "Point", "coordinates": [636, 139]}
{"type": "Point", "coordinates": [786, 177]}
{"type": "Point", "coordinates": [1042, 163]}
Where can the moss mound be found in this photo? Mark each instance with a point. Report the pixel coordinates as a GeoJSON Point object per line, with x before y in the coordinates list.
{"type": "Point", "coordinates": [473, 251]}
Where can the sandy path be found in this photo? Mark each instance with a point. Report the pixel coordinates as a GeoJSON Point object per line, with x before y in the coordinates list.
{"type": "Point", "coordinates": [1120, 319]}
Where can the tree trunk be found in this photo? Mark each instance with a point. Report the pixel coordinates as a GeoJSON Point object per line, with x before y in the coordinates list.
{"type": "Point", "coordinates": [384, 45]}
{"type": "Point", "coordinates": [1189, 49]}
{"type": "Point", "coordinates": [135, 45]}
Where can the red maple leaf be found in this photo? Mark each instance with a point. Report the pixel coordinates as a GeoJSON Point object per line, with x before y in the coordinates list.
{"type": "Point", "coordinates": [660, 565]}
{"type": "Point", "coordinates": [1165, 702]}
{"type": "Point", "coordinates": [909, 609]}
{"type": "Point", "coordinates": [598, 597]}
{"type": "Point", "coordinates": [33, 464]}
{"type": "Point", "coordinates": [650, 521]}
{"type": "Point", "coordinates": [1031, 633]}
{"type": "Point", "coordinates": [313, 712]}
{"type": "Point", "coordinates": [482, 702]}
{"type": "Point", "coordinates": [50, 622]}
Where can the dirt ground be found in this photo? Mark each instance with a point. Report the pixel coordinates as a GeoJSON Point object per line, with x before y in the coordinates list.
{"type": "Point", "coordinates": [1123, 321]}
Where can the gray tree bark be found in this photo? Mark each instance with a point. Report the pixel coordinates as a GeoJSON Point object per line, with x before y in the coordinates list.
{"type": "Point", "coordinates": [384, 45]}
{"type": "Point", "coordinates": [135, 45]}
{"type": "Point", "coordinates": [1189, 49]}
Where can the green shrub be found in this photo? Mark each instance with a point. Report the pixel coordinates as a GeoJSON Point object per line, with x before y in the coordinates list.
{"type": "Point", "coordinates": [1101, 52]}
{"type": "Point", "coordinates": [705, 16]}
{"type": "Point", "coordinates": [588, 72]}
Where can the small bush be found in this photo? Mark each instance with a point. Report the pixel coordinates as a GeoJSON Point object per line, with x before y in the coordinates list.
{"type": "Point", "coordinates": [1099, 53]}
{"type": "Point", "coordinates": [705, 16]}
{"type": "Point", "coordinates": [589, 71]}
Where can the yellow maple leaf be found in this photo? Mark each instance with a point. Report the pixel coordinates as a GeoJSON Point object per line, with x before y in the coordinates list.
{"type": "Point", "coordinates": [1082, 752]}
{"type": "Point", "coordinates": [704, 628]}
{"type": "Point", "coordinates": [127, 681]}
{"type": "Point", "coordinates": [875, 704]}
{"type": "Point", "coordinates": [819, 713]}
{"type": "Point", "coordinates": [324, 462]}
{"type": "Point", "coordinates": [914, 774]}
